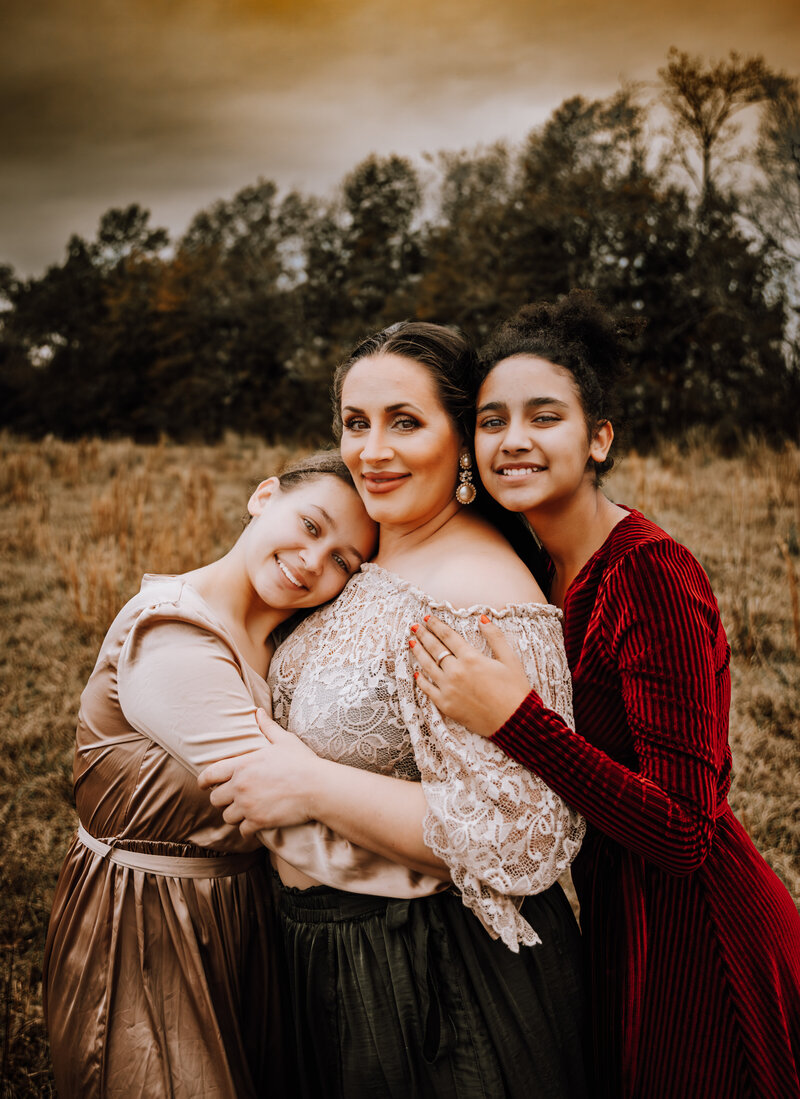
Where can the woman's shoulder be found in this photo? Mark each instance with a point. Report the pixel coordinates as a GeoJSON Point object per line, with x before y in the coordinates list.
{"type": "Point", "coordinates": [484, 576]}
{"type": "Point", "coordinates": [474, 566]}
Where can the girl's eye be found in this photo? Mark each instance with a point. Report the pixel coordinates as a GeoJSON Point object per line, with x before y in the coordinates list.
{"type": "Point", "coordinates": [546, 418]}
{"type": "Point", "coordinates": [310, 526]}
{"type": "Point", "coordinates": [491, 423]}
{"type": "Point", "coordinates": [340, 561]}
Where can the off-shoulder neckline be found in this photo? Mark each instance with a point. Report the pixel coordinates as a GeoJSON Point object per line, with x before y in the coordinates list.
{"type": "Point", "coordinates": [511, 609]}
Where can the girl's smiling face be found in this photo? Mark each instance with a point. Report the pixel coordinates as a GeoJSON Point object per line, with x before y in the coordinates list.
{"type": "Point", "coordinates": [532, 443]}
{"type": "Point", "coordinates": [304, 543]}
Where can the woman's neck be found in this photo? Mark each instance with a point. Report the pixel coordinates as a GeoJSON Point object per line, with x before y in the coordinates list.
{"type": "Point", "coordinates": [398, 542]}
{"type": "Point", "coordinates": [573, 533]}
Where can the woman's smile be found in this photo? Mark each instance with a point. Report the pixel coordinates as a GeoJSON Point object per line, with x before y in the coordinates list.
{"type": "Point", "coordinates": [381, 483]}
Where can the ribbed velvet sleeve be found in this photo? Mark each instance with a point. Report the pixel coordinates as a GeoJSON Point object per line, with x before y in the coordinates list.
{"type": "Point", "coordinates": [664, 650]}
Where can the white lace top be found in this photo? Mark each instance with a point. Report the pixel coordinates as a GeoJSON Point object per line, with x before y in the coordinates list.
{"type": "Point", "coordinates": [343, 682]}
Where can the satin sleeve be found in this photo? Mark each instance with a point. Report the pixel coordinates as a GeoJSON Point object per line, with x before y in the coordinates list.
{"type": "Point", "coordinates": [182, 685]}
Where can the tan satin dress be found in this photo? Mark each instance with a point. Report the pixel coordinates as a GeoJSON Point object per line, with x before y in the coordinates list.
{"type": "Point", "coordinates": [161, 973]}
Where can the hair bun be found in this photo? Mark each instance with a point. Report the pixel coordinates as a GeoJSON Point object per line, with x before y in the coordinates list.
{"type": "Point", "coordinates": [577, 334]}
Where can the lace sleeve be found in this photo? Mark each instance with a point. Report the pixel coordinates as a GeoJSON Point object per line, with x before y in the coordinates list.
{"type": "Point", "coordinates": [502, 831]}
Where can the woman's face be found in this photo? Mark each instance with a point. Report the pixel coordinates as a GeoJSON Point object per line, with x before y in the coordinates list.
{"type": "Point", "coordinates": [532, 442]}
{"type": "Point", "coordinates": [398, 441]}
{"type": "Point", "coordinates": [305, 542]}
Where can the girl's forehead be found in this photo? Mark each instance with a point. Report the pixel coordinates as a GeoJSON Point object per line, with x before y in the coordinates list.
{"type": "Point", "coordinates": [521, 377]}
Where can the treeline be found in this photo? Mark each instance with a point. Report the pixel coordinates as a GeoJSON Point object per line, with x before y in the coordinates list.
{"type": "Point", "coordinates": [238, 323]}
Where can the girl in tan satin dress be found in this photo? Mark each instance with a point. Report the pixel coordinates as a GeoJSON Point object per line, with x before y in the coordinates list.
{"type": "Point", "coordinates": [160, 973]}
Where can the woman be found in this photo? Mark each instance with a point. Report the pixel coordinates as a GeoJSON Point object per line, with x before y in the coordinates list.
{"type": "Point", "coordinates": [159, 970]}
{"type": "Point", "coordinates": [693, 943]}
{"type": "Point", "coordinates": [467, 993]}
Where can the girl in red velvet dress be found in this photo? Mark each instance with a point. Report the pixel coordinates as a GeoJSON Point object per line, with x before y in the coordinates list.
{"type": "Point", "coordinates": [693, 944]}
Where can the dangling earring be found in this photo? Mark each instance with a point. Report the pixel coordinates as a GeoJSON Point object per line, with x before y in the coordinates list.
{"type": "Point", "coordinates": [465, 493]}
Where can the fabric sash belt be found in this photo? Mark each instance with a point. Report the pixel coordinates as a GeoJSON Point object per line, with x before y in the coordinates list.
{"type": "Point", "coordinates": [174, 866]}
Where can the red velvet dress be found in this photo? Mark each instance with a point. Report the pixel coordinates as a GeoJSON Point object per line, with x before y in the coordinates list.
{"type": "Point", "coordinates": [693, 943]}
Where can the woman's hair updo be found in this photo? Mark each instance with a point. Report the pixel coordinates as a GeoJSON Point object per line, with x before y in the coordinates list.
{"type": "Point", "coordinates": [446, 354]}
{"type": "Point", "coordinates": [578, 335]}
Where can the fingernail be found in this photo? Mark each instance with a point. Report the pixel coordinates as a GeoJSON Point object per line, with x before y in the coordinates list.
{"type": "Point", "coordinates": [425, 617]}
{"type": "Point", "coordinates": [412, 642]}
{"type": "Point", "coordinates": [415, 627]}
{"type": "Point", "coordinates": [416, 675]}
{"type": "Point", "coordinates": [484, 618]}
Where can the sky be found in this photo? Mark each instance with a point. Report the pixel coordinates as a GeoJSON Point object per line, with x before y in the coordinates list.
{"type": "Point", "coordinates": [175, 103]}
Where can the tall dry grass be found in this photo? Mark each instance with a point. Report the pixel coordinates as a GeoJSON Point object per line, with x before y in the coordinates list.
{"type": "Point", "coordinates": [81, 522]}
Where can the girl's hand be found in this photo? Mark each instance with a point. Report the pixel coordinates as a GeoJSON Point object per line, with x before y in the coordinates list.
{"type": "Point", "coordinates": [470, 687]}
{"type": "Point", "coordinates": [269, 788]}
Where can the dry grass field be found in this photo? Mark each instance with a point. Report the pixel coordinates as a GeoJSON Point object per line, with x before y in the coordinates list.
{"type": "Point", "coordinates": [81, 523]}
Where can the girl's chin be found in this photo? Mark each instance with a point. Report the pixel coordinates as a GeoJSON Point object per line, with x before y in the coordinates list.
{"type": "Point", "coordinates": [513, 497]}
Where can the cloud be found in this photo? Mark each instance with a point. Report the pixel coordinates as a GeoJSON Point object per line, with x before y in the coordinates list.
{"type": "Point", "coordinates": [112, 101]}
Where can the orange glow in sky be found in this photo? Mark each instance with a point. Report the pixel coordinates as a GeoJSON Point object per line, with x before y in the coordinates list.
{"type": "Point", "coordinates": [107, 102]}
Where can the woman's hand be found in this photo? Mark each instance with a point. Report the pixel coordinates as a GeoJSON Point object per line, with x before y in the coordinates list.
{"type": "Point", "coordinates": [269, 788]}
{"type": "Point", "coordinates": [470, 687]}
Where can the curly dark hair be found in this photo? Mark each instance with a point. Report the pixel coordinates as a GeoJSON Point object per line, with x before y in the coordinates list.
{"type": "Point", "coordinates": [580, 336]}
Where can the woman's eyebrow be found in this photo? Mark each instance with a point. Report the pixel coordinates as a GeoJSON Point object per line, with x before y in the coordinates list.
{"type": "Point", "coordinates": [389, 408]}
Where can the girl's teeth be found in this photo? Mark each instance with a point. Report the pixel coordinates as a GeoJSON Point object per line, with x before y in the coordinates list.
{"type": "Point", "coordinates": [288, 575]}
{"type": "Point", "coordinates": [517, 472]}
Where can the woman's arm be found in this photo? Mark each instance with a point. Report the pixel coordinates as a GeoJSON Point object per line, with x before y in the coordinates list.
{"type": "Point", "coordinates": [285, 783]}
{"type": "Point", "coordinates": [663, 633]}
{"type": "Point", "coordinates": [180, 685]}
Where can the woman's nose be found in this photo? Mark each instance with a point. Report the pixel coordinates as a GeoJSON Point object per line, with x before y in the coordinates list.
{"type": "Point", "coordinates": [376, 448]}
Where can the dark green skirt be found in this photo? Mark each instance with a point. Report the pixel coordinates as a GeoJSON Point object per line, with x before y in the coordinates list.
{"type": "Point", "coordinates": [413, 999]}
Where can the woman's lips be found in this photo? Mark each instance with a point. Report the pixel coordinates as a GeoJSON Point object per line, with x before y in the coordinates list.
{"type": "Point", "coordinates": [381, 483]}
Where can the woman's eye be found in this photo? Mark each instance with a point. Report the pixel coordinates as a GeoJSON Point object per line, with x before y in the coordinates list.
{"type": "Point", "coordinates": [546, 418]}
{"type": "Point", "coordinates": [310, 526]}
{"type": "Point", "coordinates": [406, 423]}
{"type": "Point", "coordinates": [355, 423]}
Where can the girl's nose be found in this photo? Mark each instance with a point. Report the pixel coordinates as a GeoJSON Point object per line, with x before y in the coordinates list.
{"type": "Point", "coordinates": [516, 438]}
{"type": "Point", "coordinates": [313, 558]}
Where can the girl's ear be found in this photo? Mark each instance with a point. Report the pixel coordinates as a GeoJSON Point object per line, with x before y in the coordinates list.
{"type": "Point", "coordinates": [267, 489]}
{"type": "Point", "coordinates": [601, 441]}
